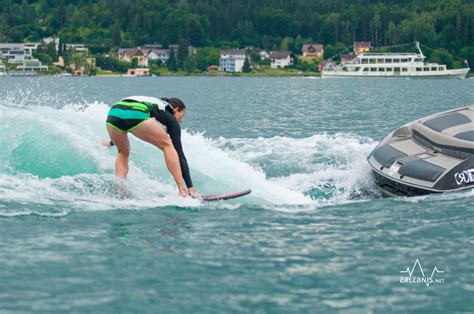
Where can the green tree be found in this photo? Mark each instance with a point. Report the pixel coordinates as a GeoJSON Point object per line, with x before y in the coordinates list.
{"type": "Point", "coordinates": [392, 33]}
{"type": "Point", "coordinates": [375, 26]}
{"type": "Point", "coordinates": [117, 35]}
{"type": "Point", "coordinates": [43, 57]}
{"type": "Point", "coordinates": [206, 57]}
{"type": "Point", "coordinates": [189, 64]}
{"type": "Point", "coordinates": [134, 63]}
{"type": "Point", "coordinates": [172, 63]}
{"type": "Point", "coordinates": [287, 44]}
{"type": "Point", "coordinates": [246, 68]}
{"type": "Point", "coordinates": [183, 51]}
{"type": "Point", "coordinates": [61, 15]}
{"type": "Point", "coordinates": [442, 56]}
{"type": "Point", "coordinates": [111, 64]}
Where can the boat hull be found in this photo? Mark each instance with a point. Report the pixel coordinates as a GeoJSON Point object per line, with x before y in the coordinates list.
{"type": "Point", "coordinates": [434, 154]}
{"type": "Point", "coordinates": [391, 188]}
{"type": "Point", "coordinates": [448, 74]}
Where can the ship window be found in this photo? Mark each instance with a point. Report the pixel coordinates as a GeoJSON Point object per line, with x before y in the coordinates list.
{"type": "Point", "coordinates": [389, 69]}
{"type": "Point", "coordinates": [372, 61]}
{"type": "Point", "coordinates": [418, 60]}
{"type": "Point", "coordinates": [441, 68]}
{"type": "Point", "coordinates": [373, 69]}
{"type": "Point", "coordinates": [396, 60]}
{"type": "Point", "coordinates": [366, 69]}
{"type": "Point", "coordinates": [404, 60]}
{"type": "Point", "coordinates": [404, 69]}
{"type": "Point", "coordinates": [433, 69]}
{"type": "Point", "coordinates": [388, 60]}
{"type": "Point", "coordinates": [426, 69]}
{"type": "Point", "coordinates": [418, 69]}
{"type": "Point", "coordinates": [397, 69]}
{"type": "Point", "coordinates": [381, 69]}
{"type": "Point", "coordinates": [365, 61]}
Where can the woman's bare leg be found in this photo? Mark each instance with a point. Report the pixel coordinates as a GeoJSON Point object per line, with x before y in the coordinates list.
{"type": "Point", "coordinates": [120, 139]}
{"type": "Point", "coordinates": [151, 132]}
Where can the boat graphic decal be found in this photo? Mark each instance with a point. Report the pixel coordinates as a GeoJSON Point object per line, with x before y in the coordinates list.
{"type": "Point", "coordinates": [464, 177]}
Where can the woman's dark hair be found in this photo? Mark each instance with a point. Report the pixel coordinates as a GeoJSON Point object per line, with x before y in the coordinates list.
{"type": "Point", "coordinates": [175, 103]}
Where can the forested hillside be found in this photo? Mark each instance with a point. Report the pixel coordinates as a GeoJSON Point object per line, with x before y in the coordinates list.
{"type": "Point", "coordinates": [286, 24]}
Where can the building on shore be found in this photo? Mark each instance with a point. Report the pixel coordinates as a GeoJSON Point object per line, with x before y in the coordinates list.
{"type": "Point", "coordinates": [138, 72]}
{"type": "Point", "coordinates": [79, 72]}
{"type": "Point", "coordinates": [83, 67]}
{"type": "Point", "coordinates": [21, 54]}
{"type": "Point", "coordinates": [32, 65]}
{"type": "Point", "coordinates": [17, 53]}
{"type": "Point", "coordinates": [362, 46]}
{"type": "Point", "coordinates": [77, 48]}
{"type": "Point", "coordinates": [91, 62]}
{"type": "Point", "coordinates": [158, 54]}
{"type": "Point", "coordinates": [52, 40]}
{"type": "Point", "coordinates": [280, 59]}
{"type": "Point", "coordinates": [2, 69]}
{"type": "Point", "coordinates": [214, 68]}
{"type": "Point", "coordinates": [348, 58]}
{"type": "Point", "coordinates": [313, 51]}
{"type": "Point", "coordinates": [128, 54]}
{"type": "Point", "coordinates": [232, 60]}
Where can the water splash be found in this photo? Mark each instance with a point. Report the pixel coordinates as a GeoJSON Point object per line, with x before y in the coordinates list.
{"type": "Point", "coordinates": [52, 156]}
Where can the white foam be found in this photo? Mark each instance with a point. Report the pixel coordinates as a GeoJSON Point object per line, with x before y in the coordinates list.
{"type": "Point", "coordinates": [219, 166]}
{"type": "Point", "coordinates": [320, 160]}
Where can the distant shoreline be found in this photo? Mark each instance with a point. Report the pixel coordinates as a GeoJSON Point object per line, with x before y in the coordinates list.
{"type": "Point", "coordinates": [310, 74]}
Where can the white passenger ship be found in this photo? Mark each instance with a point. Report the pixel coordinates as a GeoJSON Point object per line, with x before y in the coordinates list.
{"type": "Point", "coordinates": [375, 64]}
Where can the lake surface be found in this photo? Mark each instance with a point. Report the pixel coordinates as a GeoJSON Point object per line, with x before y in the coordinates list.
{"type": "Point", "coordinates": [314, 236]}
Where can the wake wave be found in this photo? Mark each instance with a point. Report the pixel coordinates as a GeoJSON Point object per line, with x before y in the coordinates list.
{"type": "Point", "coordinates": [51, 156]}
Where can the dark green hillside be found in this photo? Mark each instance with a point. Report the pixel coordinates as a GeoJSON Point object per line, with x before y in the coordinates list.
{"type": "Point", "coordinates": [268, 24]}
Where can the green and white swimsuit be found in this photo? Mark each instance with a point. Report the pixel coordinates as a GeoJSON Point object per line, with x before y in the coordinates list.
{"type": "Point", "coordinates": [130, 112]}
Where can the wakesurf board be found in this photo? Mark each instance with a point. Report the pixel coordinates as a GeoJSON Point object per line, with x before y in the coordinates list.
{"type": "Point", "coordinates": [224, 196]}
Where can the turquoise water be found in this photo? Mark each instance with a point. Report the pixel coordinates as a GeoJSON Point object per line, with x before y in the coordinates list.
{"type": "Point", "coordinates": [314, 236]}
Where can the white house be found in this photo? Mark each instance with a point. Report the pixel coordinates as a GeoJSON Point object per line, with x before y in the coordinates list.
{"type": "Point", "coordinates": [21, 54]}
{"type": "Point", "coordinates": [263, 54]}
{"type": "Point", "coordinates": [16, 53]}
{"type": "Point", "coordinates": [32, 65]}
{"type": "Point", "coordinates": [280, 59]}
{"type": "Point", "coordinates": [53, 40]}
{"type": "Point", "coordinates": [159, 54]}
{"type": "Point", "coordinates": [232, 60]}
{"type": "Point", "coordinates": [80, 48]}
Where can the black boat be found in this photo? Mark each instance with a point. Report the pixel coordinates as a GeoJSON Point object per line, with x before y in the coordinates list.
{"type": "Point", "coordinates": [434, 154]}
